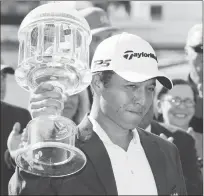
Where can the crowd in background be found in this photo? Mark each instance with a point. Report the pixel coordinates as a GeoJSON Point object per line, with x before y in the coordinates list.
{"type": "Point", "coordinates": [176, 115]}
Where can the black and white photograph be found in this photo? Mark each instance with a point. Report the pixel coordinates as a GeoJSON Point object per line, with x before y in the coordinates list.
{"type": "Point", "coordinates": [101, 97]}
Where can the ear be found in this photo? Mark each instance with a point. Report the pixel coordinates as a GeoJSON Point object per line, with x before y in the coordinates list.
{"type": "Point", "coordinates": [97, 85]}
{"type": "Point", "coordinates": [159, 106]}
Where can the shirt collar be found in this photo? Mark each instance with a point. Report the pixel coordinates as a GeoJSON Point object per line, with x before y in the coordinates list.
{"type": "Point", "coordinates": [104, 137]}
{"type": "Point", "coordinates": [148, 129]}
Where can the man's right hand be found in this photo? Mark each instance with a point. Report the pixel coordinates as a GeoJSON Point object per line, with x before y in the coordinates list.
{"type": "Point", "coordinates": [45, 99]}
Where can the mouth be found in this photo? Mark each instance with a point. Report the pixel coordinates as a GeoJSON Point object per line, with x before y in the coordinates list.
{"type": "Point", "coordinates": [181, 116]}
{"type": "Point", "coordinates": [139, 113]}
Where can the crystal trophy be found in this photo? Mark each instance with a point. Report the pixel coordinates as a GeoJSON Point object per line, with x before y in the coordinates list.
{"type": "Point", "coordinates": [53, 47]}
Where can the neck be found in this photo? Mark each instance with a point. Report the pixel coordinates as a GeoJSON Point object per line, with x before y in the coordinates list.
{"type": "Point", "coordinates": [116, 133]}
{"type": "Point", "coordinates": [184, 127]}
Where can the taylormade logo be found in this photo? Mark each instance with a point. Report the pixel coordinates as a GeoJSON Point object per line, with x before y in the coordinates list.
{"type": "Point", "coordinates": [129, 54]}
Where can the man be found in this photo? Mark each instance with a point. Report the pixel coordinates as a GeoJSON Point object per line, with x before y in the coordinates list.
{"type": "Point", "coordinates": [121, 158]}
{"type": "Point", "coordinates": [186, 146]}
{"type": "Point", "coordinates": [101, 29]}
{"type": "Point", "coordinates": [10, 114]}
{"type": "Point", "coordinates": [194, 52]}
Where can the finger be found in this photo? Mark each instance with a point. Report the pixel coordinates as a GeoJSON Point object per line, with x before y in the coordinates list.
{"type": "Point", "coordinates": [47, 103]}
{"type": "Point", "coordinates": [44, 111]}
{"type": "Point", "coordinates": [43, 87]}
{"type": "Point", "coordinates": [163, 136]}
{"type": "Point", "coordinates": [171, 139]}
{"type": "Point", "coordinates": [46, 95]}
{"type": "Point", "coordinates": [84, 135]}
{"type": "Point", "coordinates": [14, 153]}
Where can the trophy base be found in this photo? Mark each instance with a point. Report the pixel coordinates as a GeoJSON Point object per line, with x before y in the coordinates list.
{"type": "Point", "coordinates": [51, 159]}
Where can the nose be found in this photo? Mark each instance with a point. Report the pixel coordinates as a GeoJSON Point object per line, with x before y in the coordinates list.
{"type": "Point", "coordinates": [139, 96]}
{"type": "Point", "coordinates": [182, 105]}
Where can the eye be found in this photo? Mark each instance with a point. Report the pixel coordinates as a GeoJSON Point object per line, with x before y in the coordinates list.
{"type": "Point", "coordinates": [151, 88]}
{"type": "Point", "coordinates": [189, 102]}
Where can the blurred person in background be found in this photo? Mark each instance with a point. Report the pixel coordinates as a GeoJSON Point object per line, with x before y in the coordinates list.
{"type": "Point", "coordinates": [194, 53]}
{"type": "Point", "coordinates": [101, 29]}
{"type": "Point", "coordinates": [100, 26]}
{"type": "Point", "coordinates": [186, 146]}
{"type": "Point", "coordinates": [10, 114]}
{"type": "Point", "coordinates": [177, 107]}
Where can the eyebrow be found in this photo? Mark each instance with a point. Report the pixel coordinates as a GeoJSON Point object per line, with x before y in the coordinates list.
{"type": "Point", "coordinates": [137, 83]}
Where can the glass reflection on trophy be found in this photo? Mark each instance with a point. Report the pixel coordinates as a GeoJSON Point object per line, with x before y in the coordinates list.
{"type": "Point", "coordinates": [54, 47]}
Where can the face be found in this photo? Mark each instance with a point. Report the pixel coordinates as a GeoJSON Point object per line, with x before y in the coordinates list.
{"type": "Point", "coordinates": [177, 115]}
{"type": "Point", "coordinates": [146, 121]}
{"type": "Point", "coordinates": [3, 85]}
{"type": "Point", "coordinates": [96, 40]}
{"type": "Point", "coordinates": [70, 106]}
{"type": "Point", "coordinates": [126, 103]}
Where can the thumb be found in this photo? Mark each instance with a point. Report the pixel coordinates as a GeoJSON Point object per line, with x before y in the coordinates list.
{"type": "Point", "coordinates": [16, 128]}
{"type": "Point", "coordinates": [190, 131]}
{"type": "Point", "coordinates": [171, 139]}
{"type": "Point", "coordinates": [13, 135]}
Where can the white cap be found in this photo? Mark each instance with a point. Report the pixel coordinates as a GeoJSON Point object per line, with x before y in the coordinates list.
{"type": "Point", "coordinates": [131, 57]}
{"type": "Point", "coordinates": [195, 36]}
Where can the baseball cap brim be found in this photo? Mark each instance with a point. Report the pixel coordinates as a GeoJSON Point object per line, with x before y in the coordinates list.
{"type": "Point", "coordinates": [7, 69]}
{"type": "Point", "coordinates": [138, 77]}
{"type": "Point", "coordinates": [103, 30]}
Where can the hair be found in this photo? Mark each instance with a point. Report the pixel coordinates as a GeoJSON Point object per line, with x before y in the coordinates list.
{"type": "Point", "coordinates": [164, 91]}
{"type": "Point", "coordinates": [105, 77]}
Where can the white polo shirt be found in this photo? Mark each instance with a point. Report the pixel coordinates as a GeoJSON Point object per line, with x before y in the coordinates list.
{"type": "Point", "coordinates": [131, 168]}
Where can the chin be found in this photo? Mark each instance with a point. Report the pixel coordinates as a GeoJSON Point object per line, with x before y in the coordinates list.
{"type": "Point", "coordinates": [131, 123]}
{"type": "Point", "coordinates": [134, 118]}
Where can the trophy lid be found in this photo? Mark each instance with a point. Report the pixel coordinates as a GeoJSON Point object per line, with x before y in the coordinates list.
{"type": "Point", "coordinates": [52, 11]}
